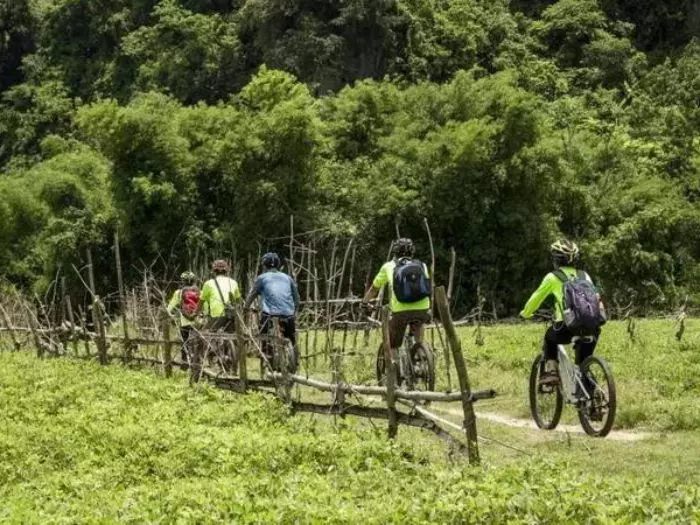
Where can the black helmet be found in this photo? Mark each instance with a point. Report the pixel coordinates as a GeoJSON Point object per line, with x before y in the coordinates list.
{"type": "Point", "coordinates": [271, 260]}
{"type": "Point", "coordinates": [402, 247]}
{"type": "Point", "coordinates": [564, 252]}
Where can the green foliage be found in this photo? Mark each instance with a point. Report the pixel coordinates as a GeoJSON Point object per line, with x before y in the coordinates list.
{"type": "Point", "coordinates": [67, 207]}
{"type": "Point", "coordinates": [108, 444]}
{"type": "Point", "coordinates": [505, 124]}
{"type": "Point", "coordinates": [192, 56]}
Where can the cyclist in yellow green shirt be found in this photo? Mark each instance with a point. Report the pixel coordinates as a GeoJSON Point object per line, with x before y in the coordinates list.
{"type": "Point", "coordinates": [565, 256]}
{"type": "Point", "coordinates": [415, 313]}
{"type": "Point", "coordinates": [186, 301]}
{"type": "Point", "coordinates": [218, 297]}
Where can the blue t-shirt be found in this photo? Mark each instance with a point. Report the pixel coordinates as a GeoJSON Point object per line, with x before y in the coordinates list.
{"type": "Point", "coordinates": [279, 292]}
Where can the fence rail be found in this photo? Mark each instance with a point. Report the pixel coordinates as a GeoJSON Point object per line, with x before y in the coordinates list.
{"type": "Point", "coordinates": [65, 339]}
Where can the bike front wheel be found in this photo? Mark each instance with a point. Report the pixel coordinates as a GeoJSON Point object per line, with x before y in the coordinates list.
{"type": "Point", "coordinates": [546, 401]}
{"type": "Point", "coordinates": [597, 413]}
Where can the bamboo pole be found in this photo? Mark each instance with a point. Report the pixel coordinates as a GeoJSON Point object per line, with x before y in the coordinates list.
{"type": "Point", "coordinates": [101, 331]}
{"type": "Point", "coordinates": [122, 297]}
{"type": "Point", "coordinates": [292, 272]}
{"type": "Point", "coordinates": [390, 367]}
{"type": "Point", "coordinates": [432, 259]}
{"type": "Point", "coordinates": [342, 268]}
{"type": "Point", "coordinates": [241, 348]}
{"type": "Point", "coordinates": [366, 390]}
{"type": "Point", "coordinates": [83, 325]}
{"type": "Point", "coordinates": [166, 326]}
{"type": "Point", "coordinates": [451, 278]}
{"type": "Point", "coordinates": [352, 269]}
{"type": "Point", "coordinates": [71, 320]}
{"type": "Point", "coordinates": [467, 406]}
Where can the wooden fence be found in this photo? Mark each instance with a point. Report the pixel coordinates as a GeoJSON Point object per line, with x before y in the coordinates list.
{"type": "Point", "coordinates": [23, 323]}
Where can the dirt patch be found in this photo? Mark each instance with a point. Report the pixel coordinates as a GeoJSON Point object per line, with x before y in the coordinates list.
{"type": "Point", "coordinates": [615, 435]}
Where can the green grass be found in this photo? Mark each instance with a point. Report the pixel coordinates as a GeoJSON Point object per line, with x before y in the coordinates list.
{"type": "Point", "coordinates": [658, 378]}
{"type": "Point", "coordinates": [87, 444]}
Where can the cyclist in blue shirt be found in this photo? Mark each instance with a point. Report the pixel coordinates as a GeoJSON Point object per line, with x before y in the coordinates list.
{"type": "Point", "coordinates": [280, 299]}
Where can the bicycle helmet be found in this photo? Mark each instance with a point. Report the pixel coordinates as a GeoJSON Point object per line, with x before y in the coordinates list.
{"type": "Point", "coordinates": [564, 252]}
{"type": "Point", "coordinates": [402, 247]}
{"type": "Point", "coordinates": [188, 277]}
{"type": "Point", "coordinates": [271, 260]}
{"type": "Point", "coordinates": [219, 266]}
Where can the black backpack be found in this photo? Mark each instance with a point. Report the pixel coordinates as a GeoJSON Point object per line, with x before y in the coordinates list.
{"type": "Point", "coordinates": [410, 284]}
{"type": "Point", "coordinates": [582, 309]}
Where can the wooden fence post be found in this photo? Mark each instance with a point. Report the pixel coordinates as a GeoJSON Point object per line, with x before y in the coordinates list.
{"type": "Point", "coordinates": [166, 324]}
{"type": "Point", "coordinates": [337, 378]}
{"type": "Point", "coordinates": [241, 349]}
{"type": "Point", "coordinates": [71, 320]}
{"type": "Point", "coordinates": [390, 367]}
{"type": "Point", "coordinates": [122, 299]}
{"type": "Point", "coordinates": [467, 405]}
{"type": "Point", "coordinates": [98, 313]}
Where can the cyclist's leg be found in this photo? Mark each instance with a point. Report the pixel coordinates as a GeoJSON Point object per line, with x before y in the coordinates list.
{"type": "Point", "coordinates": [397, 328]}
{"type": "Point", "coordinates": [420, 319]}
{"type": "Point", "coordinates": [584, 348]}
{"type": "Point", "coordinates": [185, 334]}
{"type": "Point", "coordinates": [557, 334]}
{"type": "Point", "coordinates": [265, 328]}
{"type": "Point", "coordinates": [289, 331]}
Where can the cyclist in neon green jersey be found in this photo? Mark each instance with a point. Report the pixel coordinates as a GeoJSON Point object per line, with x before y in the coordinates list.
{"type": "Point", "coordinates": [218, 296]}
{"type": "Point", "coordinates": [565, 255]}
{"type": "Point", "coordinates": [415, 313]}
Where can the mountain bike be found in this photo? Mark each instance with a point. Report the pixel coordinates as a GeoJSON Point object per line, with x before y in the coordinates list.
{"type": "Point", "coordinates": [416, 363]}
{"type": "Point", "coordinates": [277, 353]}
{"type": "Point", "coordinates": [589, 387]}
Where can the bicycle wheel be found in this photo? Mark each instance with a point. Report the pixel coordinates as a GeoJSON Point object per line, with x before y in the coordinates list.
{"type": "Point", "coordinates": [423, 367]}
{"type": "Point", "coordinates": [597, 415]}
{"type": "Point", "coordinates": [546, 402]}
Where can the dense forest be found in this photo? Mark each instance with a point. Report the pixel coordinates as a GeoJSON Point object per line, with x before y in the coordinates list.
{"type": "Point", "coordinates": [200, 126]}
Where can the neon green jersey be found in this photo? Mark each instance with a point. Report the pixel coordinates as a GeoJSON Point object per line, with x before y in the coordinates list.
{"type": "Point", "coordinates": [174, 306]}
{"type": "Point", "coordinates": [212, 303]}
{"type": "Point", "coordinates": [551, 285]}
{"type": "Point", "coordinates": [385, 277]}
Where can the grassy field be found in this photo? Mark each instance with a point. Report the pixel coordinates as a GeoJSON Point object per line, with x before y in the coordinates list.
{"type": "Point", "coordinates": [658, 378]}
{"type": "Point", "coordinates": [87, 444]}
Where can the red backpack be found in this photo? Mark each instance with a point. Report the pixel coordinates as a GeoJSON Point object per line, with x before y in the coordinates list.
{"type": "Point", "coordinates": [189, 302]}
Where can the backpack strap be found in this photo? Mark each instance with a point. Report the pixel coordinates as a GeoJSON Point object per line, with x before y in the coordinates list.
{"type": "Point", "coordinates": [221, 295]}
{"type": "Point", "coordinates": [561, 276]}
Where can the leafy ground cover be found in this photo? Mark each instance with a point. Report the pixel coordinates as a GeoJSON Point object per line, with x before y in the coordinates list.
{"type": "Point", "coordinates": [81, 443]}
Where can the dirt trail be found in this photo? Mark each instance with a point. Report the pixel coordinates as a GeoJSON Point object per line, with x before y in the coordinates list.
{"type": "Point", "coordinates": [615, 435]}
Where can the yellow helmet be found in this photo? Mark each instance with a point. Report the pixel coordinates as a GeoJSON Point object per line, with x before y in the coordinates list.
{"type": "Point", "coordinates": [564, 252]}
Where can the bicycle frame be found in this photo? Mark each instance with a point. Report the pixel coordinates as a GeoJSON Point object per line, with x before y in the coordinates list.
{"type": "Point", "coordinates": [570, 376]}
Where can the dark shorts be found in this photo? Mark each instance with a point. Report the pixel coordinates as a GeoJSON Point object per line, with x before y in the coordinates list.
{"type": "Point", "coordinates": [400, 320]}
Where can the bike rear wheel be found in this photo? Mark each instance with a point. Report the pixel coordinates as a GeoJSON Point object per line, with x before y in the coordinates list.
{"type": "Point", "coordinates": [546, 402]}
{"type": "Point", "coordinates": [597, 415]}
{"type": "Point", "coordinates": [422, 367]}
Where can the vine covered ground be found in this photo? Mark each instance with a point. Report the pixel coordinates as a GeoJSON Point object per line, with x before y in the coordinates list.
{"type": "Point", "coordinates": [84, 443]}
